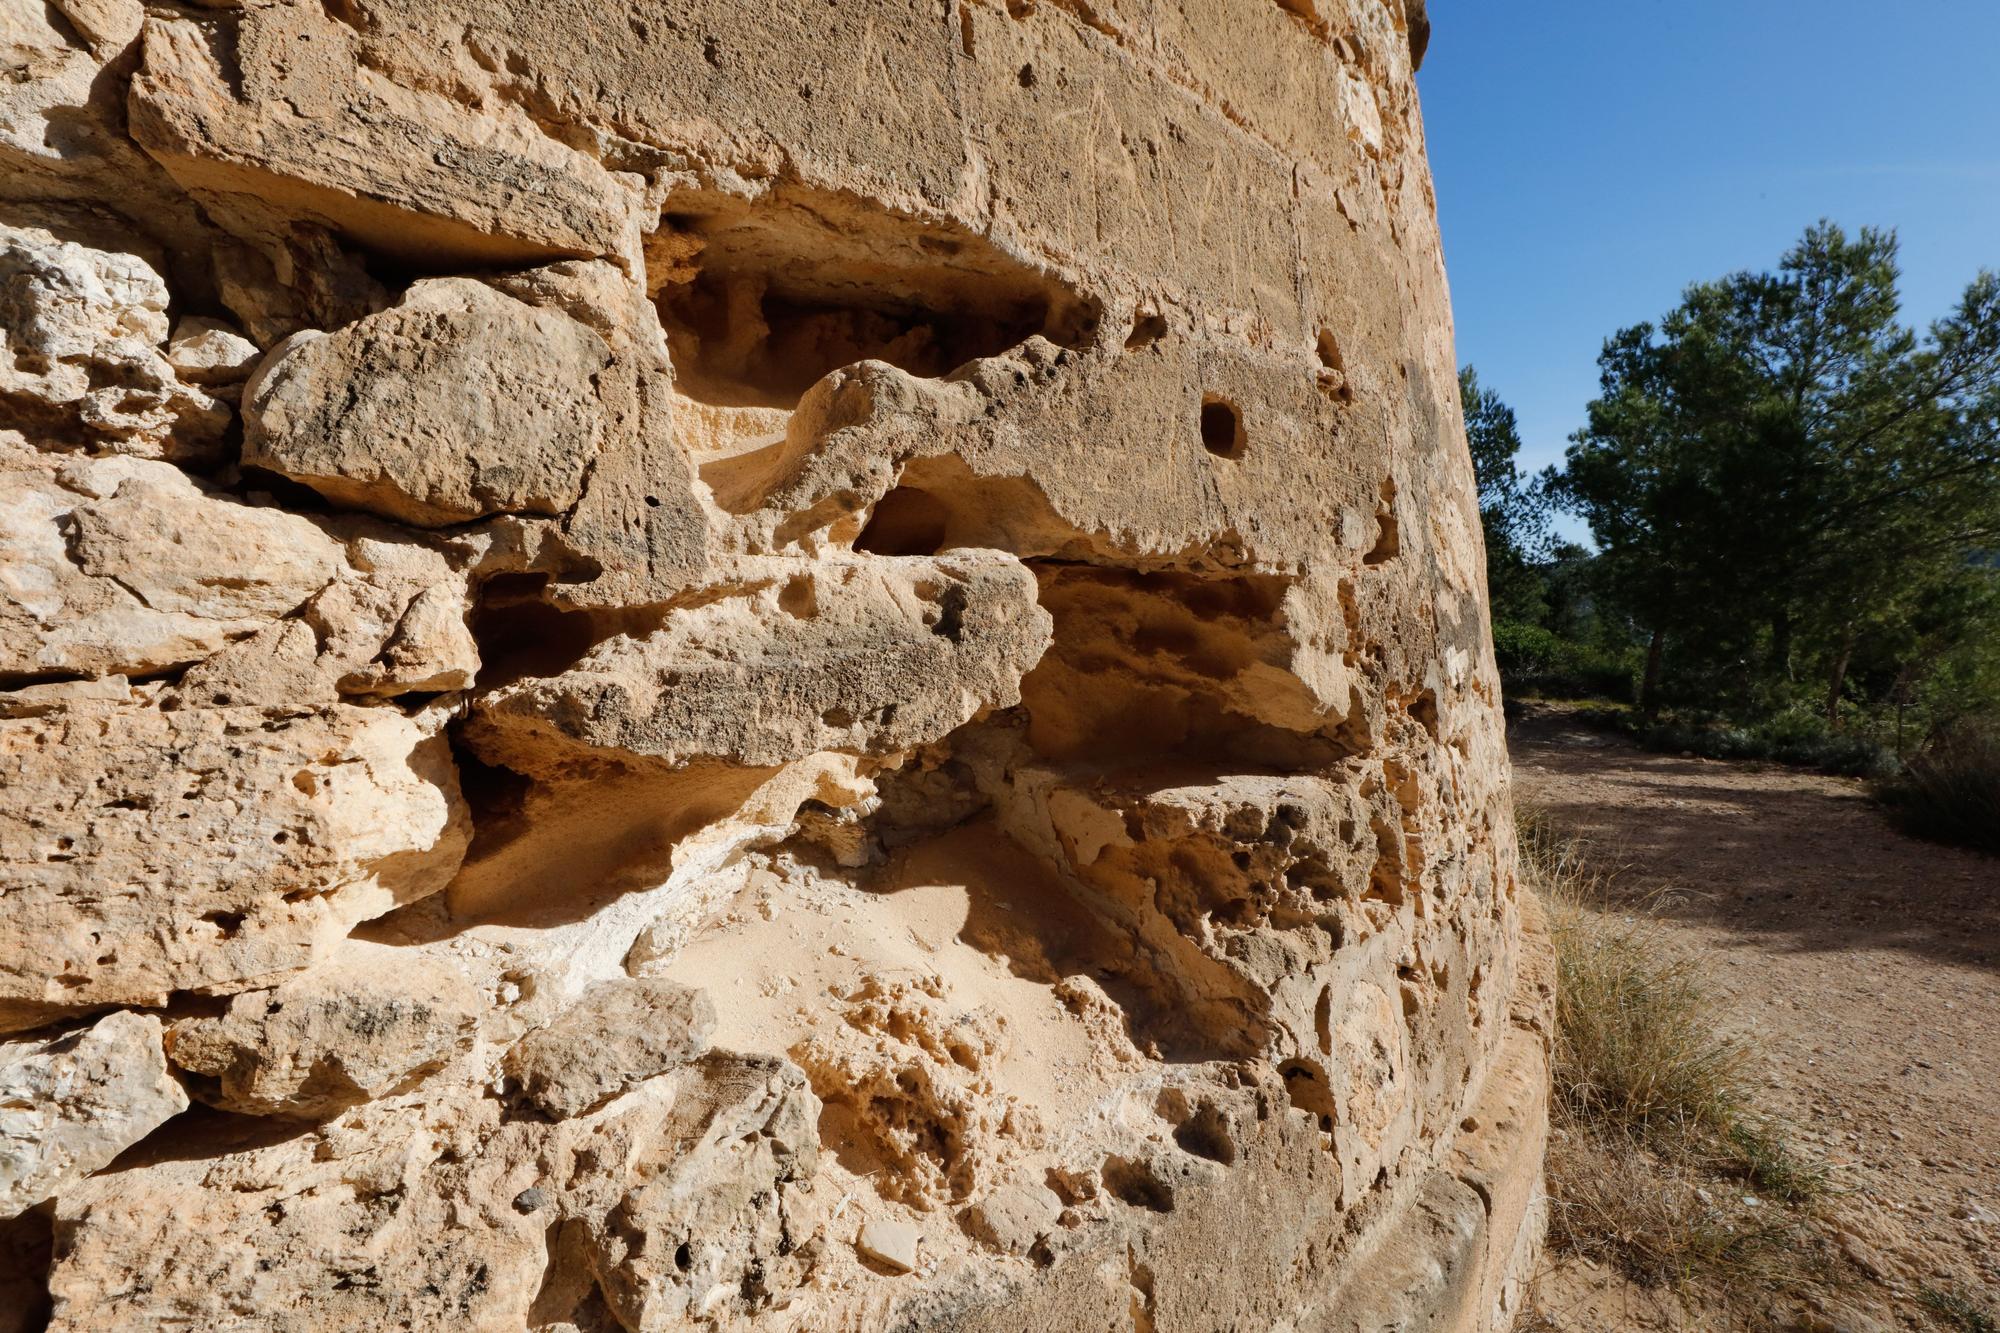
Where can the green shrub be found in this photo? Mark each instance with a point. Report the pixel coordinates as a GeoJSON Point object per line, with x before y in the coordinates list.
{"type": "Point", "coordinates": [1519, 646]}
{"type": "Point", "coordinates": [1950, 792]}
{"type": "Point", "coordinates": [1793, 737]}
{"type": "Point", "coordinates": [1534, 660]}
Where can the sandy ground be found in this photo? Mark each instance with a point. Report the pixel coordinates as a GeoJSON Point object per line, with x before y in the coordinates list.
{"type": "Point", "coordinates": [1863, 965]}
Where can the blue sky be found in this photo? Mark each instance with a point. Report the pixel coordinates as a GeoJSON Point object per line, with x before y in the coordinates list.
{"type": "Point", "coordinates": [1592, 159]}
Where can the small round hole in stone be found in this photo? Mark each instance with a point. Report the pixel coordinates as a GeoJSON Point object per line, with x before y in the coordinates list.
{"type": "Point", "coordinates": [1221, 428]}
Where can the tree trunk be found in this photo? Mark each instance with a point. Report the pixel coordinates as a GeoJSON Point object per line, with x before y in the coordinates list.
{"type": "Point", "coordinates": [1781, 642]}
{"type": "Point", "coordinates": [1902, 705]}
{"type": "Point", "coordinates": [1838, 677]}
{"type": "Point", "coordinates": [1649, 684]}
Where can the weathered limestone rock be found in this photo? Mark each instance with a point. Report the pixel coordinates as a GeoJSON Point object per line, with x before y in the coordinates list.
{"type": "Point", "coordinates": [335, 1036]}
{"type": "Point", "coordinates": [313, 1230]}
{"type": "Point", "coordinates": [458, 403]}
{"type": "Point", "coordinates": [294, 126]}
{"type": "Point", "coordinates": [806, 700]}
{"type": "Point", "coordinates": [868, 656]}
{"type": "Point", "coordinates": [85, 333]}
{"type": "Point", "coordinates": [71, 1103]}
{"type": "Point", "coordinates": [208, 351]}
{"type": "Point", "coordinates": [445, 1213]}
{"type": "Point", "coordinates": [618, 1034]}
{"type": "Point", "coordinates": [127, 567]}
{"type": "Point", "coordinates": [66, 160]}
{"type": "Point", "coordinates": [713, 1216]}
{"type": "Point", "coordinates": [889, 1243]}
{"type": "Point", "coordinates": [639, 535]}
{"type": "Point", "coordinates": [908, 1082]}
{"type": "Point", "coordinates": [148, 851]}
{"type": "Point", "coordinates": [1014, 1218]}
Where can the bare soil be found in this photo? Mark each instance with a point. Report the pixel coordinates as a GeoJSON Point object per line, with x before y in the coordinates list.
{"type": "Point", "coordinates": [1864, 968]}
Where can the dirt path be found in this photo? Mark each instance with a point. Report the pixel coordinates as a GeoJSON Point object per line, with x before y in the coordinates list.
{"type": "Point", "coordinates": [1863, 965]}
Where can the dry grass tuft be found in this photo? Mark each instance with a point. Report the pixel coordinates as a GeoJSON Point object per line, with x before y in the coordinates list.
{"type": "Point", "coordinates": [1667, 1218]}
{"type": "Point", "coordinates": [1638, 1049]}
{"type": "Point", "coordinates": [1951, 792]}
{"type": "Point", "coordinates": [1958, 1310]}
{"type": "Point", "coordinates": [1660, 1167]}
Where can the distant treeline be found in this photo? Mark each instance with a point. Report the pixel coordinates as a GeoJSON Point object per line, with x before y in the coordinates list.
{"type": "Point", "coordinates": [1795, 503]}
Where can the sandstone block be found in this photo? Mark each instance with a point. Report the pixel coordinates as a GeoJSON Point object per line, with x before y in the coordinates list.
{"type": "Point", "coordinates": [617, 1034]}
{"type": "Point", "coordinates": [124, 566]}
{"type": "Point", "coordinates": [293, 129]}
{"type": "Point", "coordinates": [207, 848]}
{"type": "Point", "coordinates": [867, 656]}
{"type": "Point", "coordinates": [1013, 1217]}
{"type": "Point", "coordinates": [458, 403]}
{"type": "Point", "coordinates": [208, 351]}
{"type": "Point", "coordinates": [85, 331]}
{"type": "Point", "coordinates": [72, 1102]}
{"type": "Point", "coordinates": [337, 1035]}
{"type": "Point", "coordinates": [708, 1209]}
{"type": "Point", "coordinates": [889, 1242]}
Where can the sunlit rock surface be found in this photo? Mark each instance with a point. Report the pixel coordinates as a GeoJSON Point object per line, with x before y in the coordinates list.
{"type": "Point", "coordinates": [800, 667]}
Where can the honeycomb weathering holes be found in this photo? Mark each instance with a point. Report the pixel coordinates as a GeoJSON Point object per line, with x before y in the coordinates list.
{"type": "Point", "coordinates": [1333, 368]}
{"type": "Point", "coordinates": [906, 521]}
{"type": "Point", "coordinates": [874, 886]}
{"type": "Point", "coordinates": [760, 300]}
{"type": "Point", "coordinates": [1388, 538]}
{"type": "Point", "coordinates": [1148, 327]}
{"type": "Point", "coordinates": [1221, 427]}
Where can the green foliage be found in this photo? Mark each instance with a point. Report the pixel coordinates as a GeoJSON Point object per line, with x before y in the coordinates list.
{"type": "Point", "coordinates": [1534, 660]}
{"type": "Point", "coordinates": [1784, 481]}
{"type": "Point", "coordinates": [1796, 506]}
{"type": "Point", "coordinates": [1951, 791]}
{"type": "Point", "coordinates": [1513, 507]}
{"type": "Point", "coordinates": [1796, 736]}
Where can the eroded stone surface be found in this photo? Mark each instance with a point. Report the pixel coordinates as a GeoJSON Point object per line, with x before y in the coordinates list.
{"type": "Point", "coordinates": [149, 851]}
{"type": "Point", "coordinates": [910, 1082]}
{"type": "Point", "coordinates": [66, 160]}
{"type": "Point", "coordinates": [293, 128]}
{"type": "Point", "coordinates": [713, 1222]}
{"type": "Point", "coordinates": [85, 335]}
{"type": "Point", "coordinates": [128, 568]}
{"type": "Point", "coordinates": [458, 403]}
{"type": "Point", "coordinates": [285, 1222]}
{"type": "Point", "coordinates": [867, 656]}
{"type": "Point", "coordinates": [209, 351]}
{"type": "Point", "coordinates": [71, 1103]}
{"type": "Point", "coordinates": [618, 1034]}
{"type": "Point", "coordinates": [811, 702]}
{"type": "Point", "coordinates": [342, 1033]}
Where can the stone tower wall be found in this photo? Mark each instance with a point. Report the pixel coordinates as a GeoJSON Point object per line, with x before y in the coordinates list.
{"type": "Point", "coordinates": [801, 666]}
